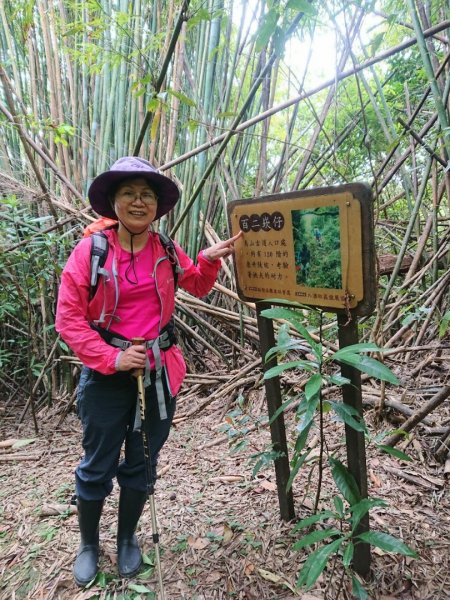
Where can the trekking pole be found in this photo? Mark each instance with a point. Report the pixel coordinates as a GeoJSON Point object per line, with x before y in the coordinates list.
{"type": "Point", "coordinates": [139, 374]}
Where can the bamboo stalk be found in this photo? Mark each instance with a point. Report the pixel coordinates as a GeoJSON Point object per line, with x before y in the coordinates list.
{"type": "Point", "coordinates": [282, 106]}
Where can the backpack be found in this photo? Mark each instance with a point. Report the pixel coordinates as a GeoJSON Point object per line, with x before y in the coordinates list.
{"type": "Point", "coordinates": [99, 253]}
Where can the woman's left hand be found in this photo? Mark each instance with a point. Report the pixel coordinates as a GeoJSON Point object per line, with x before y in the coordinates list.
{"type": "Point", "coordinates": [221, 249]}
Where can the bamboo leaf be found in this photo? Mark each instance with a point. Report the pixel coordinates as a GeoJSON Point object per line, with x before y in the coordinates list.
{"type": "Point", "coordinates": [301, 5]}
{"type": "Point", "coordinates": [266, 29]}
{"type": "Point", "coordinates": [22, 443]}
{"type": "Point", "coordinates": [182, 98]}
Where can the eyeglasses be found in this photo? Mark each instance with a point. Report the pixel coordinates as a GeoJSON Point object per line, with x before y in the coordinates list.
{"type": "Point", "coordinates": [148, 198]}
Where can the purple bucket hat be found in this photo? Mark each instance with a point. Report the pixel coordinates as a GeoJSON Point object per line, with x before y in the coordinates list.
{"type": "Point", "coordinates": [126, 168]}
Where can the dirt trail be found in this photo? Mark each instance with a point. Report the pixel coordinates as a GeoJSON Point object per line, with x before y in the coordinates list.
{"type": "Point", "coordinates": [221, 536]}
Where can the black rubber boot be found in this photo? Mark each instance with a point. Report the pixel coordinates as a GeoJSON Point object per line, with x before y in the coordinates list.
{"type": "Point", "coordinates": [85, 568]}
{"type": "Point", "coordinates": [129, 557]}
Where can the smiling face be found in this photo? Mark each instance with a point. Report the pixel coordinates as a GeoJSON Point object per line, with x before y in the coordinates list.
{"type": "Point", "coordinates": [135, 204]}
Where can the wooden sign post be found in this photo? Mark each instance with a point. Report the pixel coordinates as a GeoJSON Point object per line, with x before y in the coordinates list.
{"type": "Point", "coordinates": [314, 247]}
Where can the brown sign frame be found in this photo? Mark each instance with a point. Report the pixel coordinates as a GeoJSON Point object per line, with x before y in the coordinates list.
{"type": "Point", "coordinates": [349, 205]}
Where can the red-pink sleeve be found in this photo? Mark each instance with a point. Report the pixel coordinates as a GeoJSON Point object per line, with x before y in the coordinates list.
{"type": "Point", "coordinates": [72, 313]}
{"type": "Point", "coordinates": [197, 279]}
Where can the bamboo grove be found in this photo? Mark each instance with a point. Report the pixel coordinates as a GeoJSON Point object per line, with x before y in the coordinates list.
{"type": "Point", "coordinates": [229, 98]}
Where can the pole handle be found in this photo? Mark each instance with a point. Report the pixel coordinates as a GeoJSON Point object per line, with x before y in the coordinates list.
{"type": "Point", "coordinates": [138, 341]}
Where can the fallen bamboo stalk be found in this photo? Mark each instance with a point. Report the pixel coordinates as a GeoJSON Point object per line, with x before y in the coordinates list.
{"type": "Point", "coordinates": [19, 457]}
{"type": "Point", "coordinates": [443, 449]}
{"type": "Point", "coordinates": [395, 405]}
{"type": "Point", "coordinates": [417, 417]}
{"type": "Point", "coordinates": [215, 396]}
{"type": "Point", "coordinates": [235, 380]}
{"type": "Point", "coordinates": [196, 336]}
{"type": "Point", "coordinates": [55, 510]}
{"type": "Point", "coordinates": [411, 478]}
{"type": "Point", "coordinates": [218, 333]}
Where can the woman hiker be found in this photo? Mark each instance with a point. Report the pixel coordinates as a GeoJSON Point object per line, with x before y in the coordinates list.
{"type": "Point", "coordinates": [135, 297]}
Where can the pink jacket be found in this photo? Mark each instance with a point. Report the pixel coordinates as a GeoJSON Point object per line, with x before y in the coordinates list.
{"type": "Point", "coordinates": [75, 312]}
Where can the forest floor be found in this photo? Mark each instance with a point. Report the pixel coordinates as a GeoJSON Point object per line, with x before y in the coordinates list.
{"type": "Point", "coordinates": [221, 533]}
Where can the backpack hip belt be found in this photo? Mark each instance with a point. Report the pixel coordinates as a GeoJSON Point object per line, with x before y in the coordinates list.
{"type": "Point", "coordinates": [165, 340]}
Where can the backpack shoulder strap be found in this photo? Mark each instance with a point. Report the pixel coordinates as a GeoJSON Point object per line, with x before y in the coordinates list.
{"type": "Point", "coordinates": [99, 252]}
{"type": "Point", "coordinates": [169, 248]}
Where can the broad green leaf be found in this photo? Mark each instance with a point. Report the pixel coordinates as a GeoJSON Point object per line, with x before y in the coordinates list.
{"type": "Point", "coordinates": [281, 409]}
{"type": "Point", "coordinates": [322, 516]}
{"type": "Point", "coordinates": [384, 434]}
{"type": "Point", "coordinates": [386, 542]}
{"type": "Point", "coordinates": [306, 412]}
{"type": "Point", "coordinates": [285, 347]}
{"type": "Point", "coordinates": [313, 386]}
{"type": "Point", "coordinates": [294, 364]}
{"type": "Point", "coordinates": [370, 366]}
{"type": "Point", "coordinates": [296, 469]}
{"type": "Point", "coordinates": [339, 505]}
{"type": "Point", "coordinates": [302, 438]}
{"type": "Point", "coordinates": [314, 537]}
{"type": "Point", "coordinates": [362, 508]}
{"type": "Point", "coordinates": [316, 562]}
{"type": "Point", "coordinates": [394, 452]}
{"type": "Point", "coordinates": [291, 317]}
{"type": "Point", "coordinates": [443, 325]}
{"type": "Point", "coordinates": [140, 589]}
{"type": "Point", "coordinates": [148, 560]}
{"type": "Point", "coordinates": [349, 415]}
{"type": "Point", "coordinates": [347, 556]}
{"type": "Point", "coordinates": [357, 349]}
{"type": "Point", "coordinates": [345, 481]}
{"type": "Point", "coordinates": [283, 336]}
{"type": "Point", "coordinates": [339, 380]}
{"type": "Point", "coordinates": [357, 589]}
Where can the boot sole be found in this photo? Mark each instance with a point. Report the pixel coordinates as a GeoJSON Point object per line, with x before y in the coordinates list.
{"type": "Point", "coordinates": [82, 583]}
{"type": "Point", "coordinates": [130, 574]}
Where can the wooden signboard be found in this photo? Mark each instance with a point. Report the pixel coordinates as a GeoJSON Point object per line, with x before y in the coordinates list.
{"type": "Point", "coordinates": [314, 247]}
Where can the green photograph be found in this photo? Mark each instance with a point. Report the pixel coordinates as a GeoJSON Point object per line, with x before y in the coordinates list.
{"type": "Point", "coordinates": [317, 246]}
